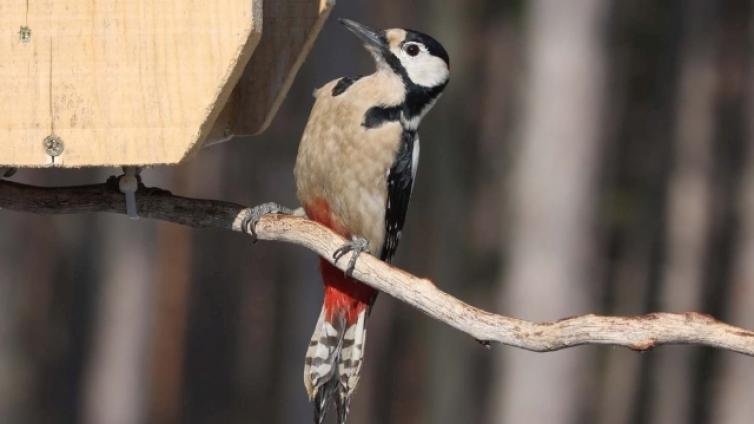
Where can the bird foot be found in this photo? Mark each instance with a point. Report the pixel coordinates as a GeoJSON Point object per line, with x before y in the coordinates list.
{"type": "Point", "coordinates": [253, 215]}
{"type": "Point", "coordinates": [357, 245]}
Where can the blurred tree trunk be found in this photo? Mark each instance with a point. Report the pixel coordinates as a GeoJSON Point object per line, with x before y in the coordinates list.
{"type": "Point", "coordinates": [735, 380]}
{"type": "Point", "coordinates": [688, 211]}
{"type": "Point", "coordinates": [643, 72]}
{"type": "Point", "coordinates": [552, 200]}
{"type": "Point", "coordinates": [171, 279]}
{"type": "Point", "coordinates": [447, 163]}
{"type": "Point", "coordinates": [116, 387]}
{"type": "Point", "coordinates": [18, 373]}
{"type": "Point", "coordinates": [729, 152]}
{"type": "Point", "coordinates": [46, 286]}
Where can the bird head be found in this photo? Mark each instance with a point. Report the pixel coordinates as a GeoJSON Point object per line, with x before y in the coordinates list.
{"type": "Point", "coordinates": [418, 58]}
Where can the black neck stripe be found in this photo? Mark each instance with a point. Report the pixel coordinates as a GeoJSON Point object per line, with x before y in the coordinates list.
{"type": "Point", "coordinates": [417, 96]}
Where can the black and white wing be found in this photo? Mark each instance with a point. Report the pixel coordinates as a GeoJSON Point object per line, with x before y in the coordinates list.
{"type": "Point", "coordinates": [400, 182]}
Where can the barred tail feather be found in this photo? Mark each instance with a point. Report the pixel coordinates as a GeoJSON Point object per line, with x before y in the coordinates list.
{"type": "Point", "coordinates": [336, 350]}
{"type": "Point", "coordinates": [320, 364]}
{"type": "Point", "coordinates": [333, 362]}
{"type": "Point", "coordinates": [352, 355]}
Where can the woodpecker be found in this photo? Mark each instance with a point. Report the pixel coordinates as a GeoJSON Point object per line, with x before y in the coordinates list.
{"type": "Point", "coordinates": [354, 173]}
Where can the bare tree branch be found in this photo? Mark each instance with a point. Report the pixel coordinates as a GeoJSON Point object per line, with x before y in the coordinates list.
{"type": "Point", "coordinates": [638, 332]}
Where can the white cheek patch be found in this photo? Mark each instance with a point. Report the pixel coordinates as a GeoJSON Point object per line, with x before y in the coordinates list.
{"type": "Point", "coordinates": [424, 69]}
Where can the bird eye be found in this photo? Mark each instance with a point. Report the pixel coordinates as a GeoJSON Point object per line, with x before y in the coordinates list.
{"type": "Point", "coordinates": [412, 49]}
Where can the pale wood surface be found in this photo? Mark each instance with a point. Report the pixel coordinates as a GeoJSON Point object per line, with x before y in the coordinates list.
{"type": "Point", "coordinates": [122, 83]}
{"type": "Point", "coordinates": [637, 332]}
{"type": "Point", "coordinates": [290, 28]}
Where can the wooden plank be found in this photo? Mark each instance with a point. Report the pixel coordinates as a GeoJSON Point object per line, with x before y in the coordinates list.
{"type": "Point", "coordinates": [121, 83]}
{"type": "Point", "coordinates": [290, 28]}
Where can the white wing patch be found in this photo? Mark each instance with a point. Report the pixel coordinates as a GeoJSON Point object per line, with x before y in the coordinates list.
{"type": "Point", "coordinates": [414, 162]}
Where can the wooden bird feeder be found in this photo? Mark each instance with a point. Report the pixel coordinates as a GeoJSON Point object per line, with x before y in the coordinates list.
{"type": "Point", "coordinates": [142, 82]}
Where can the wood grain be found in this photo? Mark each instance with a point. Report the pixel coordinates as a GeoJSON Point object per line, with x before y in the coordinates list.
{"type": "Point", "coordinates": [290, 29]}
{"type": "Point", "coordinates": [121, 83]}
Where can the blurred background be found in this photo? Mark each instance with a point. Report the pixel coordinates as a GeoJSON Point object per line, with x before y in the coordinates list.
{"type": "Point", "coordinates": [587, 156]}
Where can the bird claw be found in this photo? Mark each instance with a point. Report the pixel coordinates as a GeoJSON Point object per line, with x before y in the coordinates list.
{"type": "Point", "coordinates": [357, 245]}
{"type": "Point", "coordinates": [253, 215]}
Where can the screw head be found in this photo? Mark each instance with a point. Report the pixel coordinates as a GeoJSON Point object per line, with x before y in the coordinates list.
{"type": "Point", "coordinates": [53, 145]}
{"type": "Point", "coordinates": [24, 34]}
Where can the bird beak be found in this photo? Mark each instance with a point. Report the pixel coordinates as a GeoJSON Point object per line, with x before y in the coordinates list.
{"type": "Point", "coordinates": [368, 36]}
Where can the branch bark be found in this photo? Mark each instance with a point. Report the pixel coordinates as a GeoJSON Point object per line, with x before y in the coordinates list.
{"type": "Point", "coordinates": [637, 332]}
